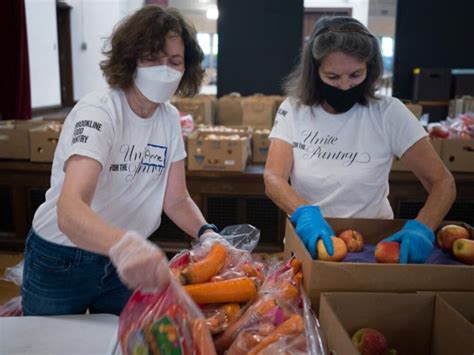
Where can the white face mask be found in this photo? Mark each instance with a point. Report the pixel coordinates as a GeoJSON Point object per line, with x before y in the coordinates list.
{"type": "Point", "coordinates": [158, 83]}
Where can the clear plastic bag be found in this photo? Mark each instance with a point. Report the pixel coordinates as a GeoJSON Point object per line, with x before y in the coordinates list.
{"type": "Point", "coordinates": [242, 236]}
{"type": "Point", "coordinates": [14, 274]}
{"type": "Point", "coordinates": [12, 308]}
{"type": "Point", "coordinates": [279, 320]}
{"type": "Point", "coordinates": [165, 322]}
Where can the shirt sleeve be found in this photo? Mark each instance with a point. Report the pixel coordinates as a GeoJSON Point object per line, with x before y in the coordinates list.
{"type": "Point", "coordinates": [282, 127]}
{"type": "Point", "coordinates": [404, 129]}
{"type": "Point", "coordinates": [177, 142]}
{"type": "Point", "coordinates": [91, 134]}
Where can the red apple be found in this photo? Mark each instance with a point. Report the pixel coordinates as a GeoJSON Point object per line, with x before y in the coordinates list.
{"type": "Point", "coordinates": [353, 239]}
{"type": "Point", "coordinates": [439, 131]}
{"type": "Point", "coordinates": [387, 252]}
{"type": "Point", "coordinates": [449, 233]}
{"type": "Point", "coordinates": [369, 341]}
{"type": "Point", "coordinates": [463, 250]}
{"type": "Point", "coordinates": [340, 250]}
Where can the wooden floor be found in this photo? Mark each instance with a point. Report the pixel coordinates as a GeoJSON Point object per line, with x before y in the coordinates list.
{"type": "Point", "coordinates": [8, 290]}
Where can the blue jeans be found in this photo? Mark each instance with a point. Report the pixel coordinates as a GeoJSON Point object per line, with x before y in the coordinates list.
{"type": "Point", "coordinates": [61, 279]}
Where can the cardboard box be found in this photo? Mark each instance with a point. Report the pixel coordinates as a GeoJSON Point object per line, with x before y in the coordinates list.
{"type": "Point", "coordinates": [462, 302]}
{"type": "Point", "coordinates": [213, 100]}
{"type": "Point", "coordinates": [260, 145]}
{"type": "Point", "coordinates": [15, 139]}
{"type": "Point", "coordinates": [200, 108]}
{"type": "Point", "coordinates": [229, 110]}
{"type": "Point", "coordinates": [258, 111]}
{"type": "Point", "coordinates": [397, 165]}
{"type": "Point", "coordinates": [412, 323]}
{"type": "Point", "coordinates": [219, 148]}
{"type": "Point", "coordinates": [323, 276]}
{"type": "Point", "coordinates": [458, 154]}
{"type": "Point", "coordinates": [416, 109]}
{"type": "Point", "coordinates": [44, 140]}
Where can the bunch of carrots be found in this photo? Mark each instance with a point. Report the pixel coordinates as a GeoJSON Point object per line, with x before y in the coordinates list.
{"type": "Point", "coordinates": [246, 310]}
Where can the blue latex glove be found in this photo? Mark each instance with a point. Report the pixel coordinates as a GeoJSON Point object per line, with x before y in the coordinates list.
{"type": "Point", "coordinates": [310, 227]}
{"type": "Point", "coordinates": [416, 242]}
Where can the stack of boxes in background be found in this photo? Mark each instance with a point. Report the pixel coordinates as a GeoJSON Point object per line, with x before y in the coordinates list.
{"type": "Point", "coordinates": [242, 123]}
{"type": "Point", "coordinates": [33, 140]}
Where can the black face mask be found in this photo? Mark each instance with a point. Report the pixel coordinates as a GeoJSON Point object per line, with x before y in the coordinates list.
{"type": "Point", "coordinates": [341, 100]}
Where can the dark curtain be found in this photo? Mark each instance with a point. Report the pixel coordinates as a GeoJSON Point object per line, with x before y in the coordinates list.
{"type": "Point", "coordinates": [15, 78]}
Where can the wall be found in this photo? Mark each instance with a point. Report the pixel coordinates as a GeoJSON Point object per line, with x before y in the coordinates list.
{"type": "Point", "coordinates": [360, 8]}
{"type": "Point", "coordinates": [259, 43]}
{"type": "Point", "coordinates": [431, 34]}
{"type": "Point", "coordinates": [43, 52]}
{"type": "Point", "coordinates": [92, 22]}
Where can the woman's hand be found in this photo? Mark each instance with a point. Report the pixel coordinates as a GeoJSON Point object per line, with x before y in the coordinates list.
{"type": "Point", "coordinates": [139, 262]}
{"type": "Point", "coordinates": [416, 242]}
{"type": "Point", "coordinates": [311, 226]}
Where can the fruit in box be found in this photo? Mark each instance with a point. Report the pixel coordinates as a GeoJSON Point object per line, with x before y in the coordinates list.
{"type": "Point", "coordinates": [353, 239]}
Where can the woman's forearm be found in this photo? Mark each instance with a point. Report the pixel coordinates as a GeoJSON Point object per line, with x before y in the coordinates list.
{"type": "Point", "coordinates": [282, 194]}
{"type": "Point", "coordinates": [84, 228]}
{"type": "Point", "coordinates": [441, 196]}
{"type": "Point", "coordinates": [186, 215]}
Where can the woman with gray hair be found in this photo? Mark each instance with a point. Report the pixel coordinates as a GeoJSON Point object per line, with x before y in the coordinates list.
{"type": "Point", "coordinates": [335, 139]}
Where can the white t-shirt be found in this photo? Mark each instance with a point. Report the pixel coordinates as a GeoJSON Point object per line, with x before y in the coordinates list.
{"type": "Point", "coordinates": [135, 154]}
{"type": "Point", "coordinates": [342, 161]}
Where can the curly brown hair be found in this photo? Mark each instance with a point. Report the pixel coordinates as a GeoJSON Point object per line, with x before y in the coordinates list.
{"type": "Point", "coordinates": [142, 35]}
{"type": "Point", "coordinates": [331, 34]}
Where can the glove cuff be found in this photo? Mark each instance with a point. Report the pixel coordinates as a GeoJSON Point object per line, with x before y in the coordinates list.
{"type": "Point", "coordinates": [300, 209]}
{"type": "Point", "coordinates": [421, 227]}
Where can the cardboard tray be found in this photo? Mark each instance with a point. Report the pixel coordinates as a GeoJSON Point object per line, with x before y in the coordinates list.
{"type": "Point", "coordinates": [323, 276]}
{"type": "Point", "coordinates": [412, 323]}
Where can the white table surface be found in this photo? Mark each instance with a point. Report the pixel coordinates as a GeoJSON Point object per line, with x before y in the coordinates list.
{"type": "Point", "coordinates": [93, 334]}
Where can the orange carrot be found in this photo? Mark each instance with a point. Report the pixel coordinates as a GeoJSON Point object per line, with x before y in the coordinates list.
{"type": "Point", "coordinates": [291, 327]}
{"type": "Point", "coordinates": [296, 265]}
{"type": "Point", "coordinates": [254, 312]}
{"type": "Point", "coordinates": [288, 292]}
{"type": "Point", "coordinates": [238, 290]}
{"type": "Point", "coordinates": [206, 268]}
{"type": "Point", "coordinates": [232, 311]}
{"type": "Point", "coordinates": [249, 270]}
{"type": "Point", "coordinates": [202, 338]}
{"type": "Point", "coordinates": [298, 278]}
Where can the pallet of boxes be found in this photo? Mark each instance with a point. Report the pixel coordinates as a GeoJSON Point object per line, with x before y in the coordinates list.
{"type": "Point", "coordinates": [369, 303]}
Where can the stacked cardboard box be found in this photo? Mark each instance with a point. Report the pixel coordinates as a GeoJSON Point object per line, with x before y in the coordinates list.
{"type": "Point", "coordinates": [219, 148]}
{"type": "Point", "coordinates": [43, 140]}
{"type": "Point", "coordinates": [199, 107]}
{"type": "Point", "coordinates": [260, 145]}
{"type": "Point", "coordinates": [229, 110]}
{"type": "Point", "coordinates": [15, 138]}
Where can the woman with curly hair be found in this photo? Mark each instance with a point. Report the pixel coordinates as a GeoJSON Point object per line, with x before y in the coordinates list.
{"type": "Point", "coordinates": [118, 165]}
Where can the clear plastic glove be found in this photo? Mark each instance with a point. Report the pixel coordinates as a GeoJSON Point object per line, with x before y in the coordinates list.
{"type": "Point", "coordinates": [139, 262]}
{"type": "Point", "coordinates": [311, 226]}
{"type": "Point", "coordinates": [416, 242]}
{"type": "Point", "coordinates": [211, 237]}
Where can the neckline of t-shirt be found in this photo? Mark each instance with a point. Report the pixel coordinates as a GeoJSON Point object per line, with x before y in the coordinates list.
{"type": "Point", "coordinates": [320, 110]}
{"type": "Point", "coordinates": [137, 119]}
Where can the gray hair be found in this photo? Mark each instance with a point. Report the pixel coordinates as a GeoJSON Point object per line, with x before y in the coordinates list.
{"type": "Point", "coordinates": [332, 34]}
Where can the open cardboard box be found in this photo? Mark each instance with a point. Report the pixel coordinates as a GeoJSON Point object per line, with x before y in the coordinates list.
{"type": "Point", "coordinates": [260, 145]}
{"type": "Point", "coordinates": [397, 164]}
{"type": "Point", "coordinates": [324, 276]}
{"type": "Point", "coordinates": [412, 323]}
{"type": "Point", "coordinates": [220, 154]}
{"type": "Point", "coordinates": [462, 302]}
